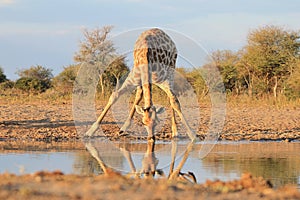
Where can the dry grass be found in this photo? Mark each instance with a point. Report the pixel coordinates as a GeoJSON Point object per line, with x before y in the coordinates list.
{"type": "Point", "coordinates": [159, 97]}
{"type": "Point", "coordinates": [266, 101]}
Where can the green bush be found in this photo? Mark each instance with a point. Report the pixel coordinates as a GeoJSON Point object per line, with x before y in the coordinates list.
{"type": "Point", "coordinates": [32, 85]}
{"type": "Point", "coordinates": [63, 82]}
{"type": "Point", "coordinates": [36, 79]}
{"type": "Point", "coordinates": [292, 89]}
{"type": "Point", "coordinates": [36, 72]}
{"type": "Point", "coordinates": [2, 76]}
{"type": "Point", "coordinates": [6, 85]}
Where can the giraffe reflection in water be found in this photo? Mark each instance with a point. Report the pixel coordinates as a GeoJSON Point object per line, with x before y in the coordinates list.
{"type": "Point", "coordinates": [149, 162]}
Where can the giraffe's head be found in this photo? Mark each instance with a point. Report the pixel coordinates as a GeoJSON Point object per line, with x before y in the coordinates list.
{"type": "Point", "coordinates": [150, 118]}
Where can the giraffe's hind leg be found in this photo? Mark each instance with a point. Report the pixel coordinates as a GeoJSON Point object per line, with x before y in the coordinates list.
{"type": "Point", "coordinates": [138, 98]}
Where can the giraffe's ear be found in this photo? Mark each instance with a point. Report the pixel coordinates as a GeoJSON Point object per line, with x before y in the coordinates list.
{"type": "Point", "coordinates": [160, 110]}
{"type": "Point", "coordinates": [139, 109]}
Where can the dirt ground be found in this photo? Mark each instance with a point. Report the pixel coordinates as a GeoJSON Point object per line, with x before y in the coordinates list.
{"type": "Point", "coordinates": [55, 185]}
{"type": "Point", "coordinates": [44, 122]}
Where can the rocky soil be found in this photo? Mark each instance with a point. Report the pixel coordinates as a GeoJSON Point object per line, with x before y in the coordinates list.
{"type": "Point", "coordinates": [44, 121]}
{"type": "Point", "coordinates": [56, 185]}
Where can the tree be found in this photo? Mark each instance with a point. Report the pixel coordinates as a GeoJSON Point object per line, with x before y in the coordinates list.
{"type": "Point", "coordinates": [292, 89]}
{"type": "Point", "coordinates": [31, 85]}
{"type": "Point", "coordinates": [97, 49]}
{"type": "Point", "coordinates": [270, 54]}
{"type": "Point", "coordinates": [2, 76]}
{"type": "Point", "coordinates": [64, 81]}
{"type": "Point", "coordinates": [36, 78]}
{"type": "Point", "coordinates": [194, 77]}
{"type": "Point", "coordinates": [226, 61]}
{"type": "Point", "coordinates": [38, 72]}
{"type": "Point", "coordinates": [4, 82]}
{"type": "Point", "coordinates": [115, 71]}
{"type": "Point", "coordinates": [246, 72]}
{"type": "Point", "coordinates": [6, 85]}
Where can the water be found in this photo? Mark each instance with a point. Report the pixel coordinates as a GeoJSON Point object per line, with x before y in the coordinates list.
{"type": "Point", "coordinates": [276, 161]}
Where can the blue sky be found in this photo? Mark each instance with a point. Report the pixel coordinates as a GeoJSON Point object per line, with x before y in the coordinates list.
{"type": "Point", "coordinates": [47, 32]}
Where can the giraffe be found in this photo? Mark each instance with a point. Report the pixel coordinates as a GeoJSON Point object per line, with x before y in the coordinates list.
{"type": "Point", "coordinates": [149, 162]}
{"type": "Point", "coordinates": [155, 57]}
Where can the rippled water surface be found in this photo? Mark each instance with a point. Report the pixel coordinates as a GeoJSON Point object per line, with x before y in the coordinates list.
{"type": "Point", "coordinates": [276, 161]}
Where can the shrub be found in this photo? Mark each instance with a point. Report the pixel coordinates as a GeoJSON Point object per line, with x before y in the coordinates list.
{"type": "Point", "coordinates": [32, 85]}
{"type": "Point", "coordinates": [2, 76]}
{"type": "Point", "coordinates": [36, 79]}
{"type": "Point", "coordinates": [6, 85]}
{"type": "Point", "coordinates": [292, 89]}
{"type": "Point", "coordinates": [36, 72]}
{"type": "Point", "coordinates": [63, 82]}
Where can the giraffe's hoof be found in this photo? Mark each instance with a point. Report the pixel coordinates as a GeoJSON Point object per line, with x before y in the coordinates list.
{"type": "Point", "coordinates": [188, 177]}
{"type": "Point", "coordinates": [151, 138]}
{"type": "Point", "coordinates": [122, 133]}
{"type": "Point", "coordinates": [160, 172]}
{"type": "Point", "coordinates": [175, 137]}
{"type": "Point", "coordinates": [92, 130]}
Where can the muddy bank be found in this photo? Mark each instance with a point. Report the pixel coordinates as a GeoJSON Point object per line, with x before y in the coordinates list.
{"type": "Point", "coordinates": [55, 185]}
{"type": "Point", "coordinates": [17, 146]}
{"type": "Point", "coordinates": [54, 122]}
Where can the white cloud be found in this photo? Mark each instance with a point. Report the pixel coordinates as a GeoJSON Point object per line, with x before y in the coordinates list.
{"type": "Point", "coordinates": [6, 2]}
{"type": "Point", "coordinates": [37, 29]}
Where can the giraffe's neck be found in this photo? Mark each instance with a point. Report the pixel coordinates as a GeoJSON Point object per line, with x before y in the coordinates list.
{"type": "Point", "coordinates": [147, 90]}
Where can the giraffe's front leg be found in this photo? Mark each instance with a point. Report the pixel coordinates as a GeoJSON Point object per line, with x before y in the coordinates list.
{"type": "Point", "coordinates": [176, 106]}
{"type": "Point", "coordinates": [96, 125]}
{"type": "Point", "coordinates": [125, 126]}
{"type": "Point", "coordinates": [173, 156]}
{"type": "Point", "coordinates": [174, 174]}
{"type": "Point", "coordinates": [174, 126]}
{"type": "Point", "coordinates": [93, 151]}
{"type": "Point", "coordinates": [92, 130]}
